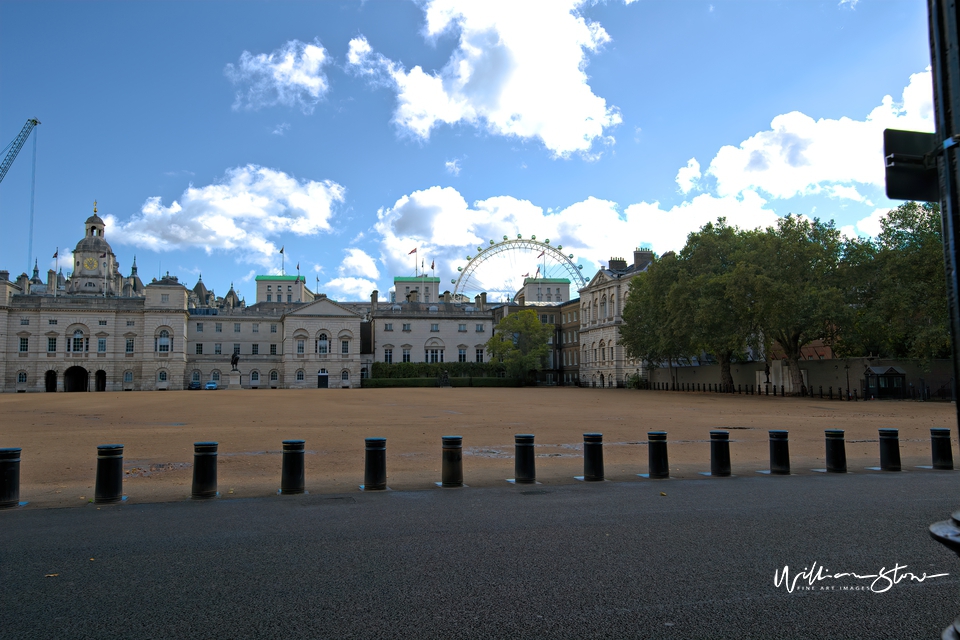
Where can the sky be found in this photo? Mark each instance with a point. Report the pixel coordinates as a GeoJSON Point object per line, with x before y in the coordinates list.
{"type": "Point", "coordinates": [349, 133]}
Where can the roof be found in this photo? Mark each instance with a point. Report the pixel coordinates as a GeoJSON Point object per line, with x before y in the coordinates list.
{"type": "Point", "coordinates": [880, 371]}
{"type": "Point", "coordinates": [546, 281]}
{"type": "Point", "coordinates": [280, 278]}
{"type": "Point", "coordinates": [416, 279]}
{"type": "Point", "coordinates": [94, 219]}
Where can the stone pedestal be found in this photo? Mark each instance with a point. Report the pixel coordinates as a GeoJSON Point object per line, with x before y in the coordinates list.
{"type": "Point", "coordinates": [233, 380]}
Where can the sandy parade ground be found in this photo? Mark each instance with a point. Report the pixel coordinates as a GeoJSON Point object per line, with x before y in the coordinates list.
{"type": "Point", "coordinates": [59, 434]}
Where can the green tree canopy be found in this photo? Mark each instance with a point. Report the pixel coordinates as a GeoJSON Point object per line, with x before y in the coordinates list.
{"type": "Point", "coordinates": [520, 341]}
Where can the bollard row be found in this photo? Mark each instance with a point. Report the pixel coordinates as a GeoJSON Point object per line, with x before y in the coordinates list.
{"type": "Point", "coordinates": [109, 474]}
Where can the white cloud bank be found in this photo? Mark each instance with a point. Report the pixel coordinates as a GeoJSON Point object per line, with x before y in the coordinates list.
{"type": "Point", "coordinates": [291, 76]}
{"type": "Point", "coordinates": [240, 213]}
{"type": "Point", "coordinates": [519, 70]}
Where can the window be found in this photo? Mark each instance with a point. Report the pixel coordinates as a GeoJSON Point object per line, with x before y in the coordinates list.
{"type": "Point", "coordinates": [101, 345]}
{"type": "Point", "coordinates": [344, 375]}
{"type": "Point", "coordinates": [434, 355]}
{"type": "Point", "coordinates": [289, 288]}
{"type": "Point", "coordinates": [162, 376]}
{"type": "Point", "coordinates": [215, 376]}
{"type": "Point", "coordinates": [199, 349]}
{"type": "Point", "coordinates": [406, 326]}
{"type": "Point", "coordinates": [236, 349]}
{"type": "Point", "coordinates": [22, 377]}
{"type": "Point", "coordinates": [256, 327]}
{"type": "Point", "coordinates": [128, 376]}
{"type": "Point", "coordinates": [51, 322]}
{"type": "Point", "coordinates": [217, 349]}
{"type": "Point", "coordinates": [300, 349]}
{"type": "Point", "coordinates": [273, 328]}
{"type": "Point", "coordinates": [255, 350]}
{"type": "Point", "coordinates": [479, 328]}
{"type": "Point", "coordinates": [388, 326]}
{"type": "Point", "coordinates": [78, 343]}
{"type": "Point", "coordinates": [102, 323]}
{"type": "Point", "coordinates": [434, 327]}
{"type": "Point", "coordinates": [164, 297]}
{"type": "Point", "coordinates": [288, 298]}
{"type": "Point", "coordinates": [195, 376]}
{"type": "Point", "coordinates": [236, 327]}
{"type": "Point", "coordinates": [345, 347]}
{"type": "Point", "coordinates": [406, 355]}
{"type": "Point", "coordinates": [131, 323]}
{"type": "Point", "coordinates": [479, 355]}
{"type": "Point", "coordinates": [461, 355]}
{"type": "Point", "coordinates": [24, 344]}
{"type": "Point", "coordinates": [273, 349]}
{"type": "Point", "coordinates": [462, 328]}
{"type": "Point", "coordinates": [24, 322]}
{"type": "Point", "coordinates": [163, 341]}
{"type": "Point", "coordinates": [269, 287]}
{"type": "Point", "coordinates": [269, 297]}
{"type": "Point", "coordinates": [51, 345]}
{"type": "Point", "coordinates": [322, 343]}
{"type": "Point", "coordinates": [388, 356]}
{"type": "Point", "coordinates": [255, 376]}
{"type": "Point", "coordinates": [274, 376]}
{"type": "Point", "coordinates": [129, 347]}
{"type": "Point", "coordinates": [199, 327]}
{"type": "Point", "coordinates": [299, 375]}
{"type": "Point", "coordinates": [218, 327]}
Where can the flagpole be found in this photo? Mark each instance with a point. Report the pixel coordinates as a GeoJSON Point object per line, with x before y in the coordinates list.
{"type": "Point", "coordinates": [57, 254]}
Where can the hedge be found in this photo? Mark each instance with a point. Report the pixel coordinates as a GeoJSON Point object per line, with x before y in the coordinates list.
{"type": "Point", "coordinates": [434, 369]}
{"type": "Point", "coordinates": [385, 383]}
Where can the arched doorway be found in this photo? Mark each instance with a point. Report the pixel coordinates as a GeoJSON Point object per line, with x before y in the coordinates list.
{"type": "Point", "coordinates": [75, 379]}
{"type": "Point", "coordinates": [50, 381]}
{"type": "Point", "coordinates": [322, 379]}
{"type": "Point", "coordinates": [101, 380]}
{"type": "Point", "coordinates": [601, 380]}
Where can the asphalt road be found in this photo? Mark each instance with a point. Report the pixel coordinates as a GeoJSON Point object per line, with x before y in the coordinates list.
{"type": "Point", "coordinates": [610, 560]}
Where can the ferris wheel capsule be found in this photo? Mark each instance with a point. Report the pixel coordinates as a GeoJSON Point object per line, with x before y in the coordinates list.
{"type": "Point", "coordinates": [459, 268]}
{"type": "Point", "coordinates": [547, 241]}
{"type": "Point", "coordinates": [559, 247]}
{"type": "Point", "coordinates": [570, 256]}
{"type": "Point", "coordinates": [504, 237]}
{"type": "Point", "coordinates": [453, 281]}
{"type": "Point", "coordinates": [492, 242]}
{"type": "Point", "coordinates": [580, 266]}
{"type": "Point", "coordinates": [519, 236]}
{"type": "Point", "coordinates": [533, 237]}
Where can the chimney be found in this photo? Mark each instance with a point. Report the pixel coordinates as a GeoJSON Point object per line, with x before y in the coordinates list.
{"type": "Point", "coordinates": [23, 281]}
{"type": "Point", "coordinates": [483, 301]}
{"type": "Point", "coordinates": [617, 264]}
{"type": "Point", "coordinates": [412, 296]}
{"type": "Point", "coordinates": [642, 257]}
{"type": "Point", "coordinates": [476, 301]}
{"type": "Point", "coordinates": [51, 281]}
{"type": "Point", "coordinates": [4, 275]}
{"type": "Point", "coordinates": [447, 297]}
{"type": "Point", "coordinates": [373, 300]}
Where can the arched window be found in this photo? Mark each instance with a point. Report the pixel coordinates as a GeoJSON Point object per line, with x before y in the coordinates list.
{"type": "Point", "coordinates": [162, 376]}
{"type": "Point", "coordinates": [299, 375]}
{"type": "Point", "coordinates": [345, 375]}
{"type": "Point", "coordinates": [162, 341]}
{"type": "Point", "coordinates": [128, 376]}
{"type": "Point", "coordinates": [215, 376]}
{"type": "Point", "coordinates": [22, 377]}
{"type": "Point", "coordinates": [195, 376]}
{"type": "Point", "coordinates": [77, 343]}
{"type": "Point", "coordinates": [603, 307]}
{"type": "Point", "coordinates": [613, 309]}
{"type": "Point", "coordinates": [274, 376]}
{"type": "Point", "coordinates": [322, 343]}
{"type": "Point", "coordinates": [254, 376]}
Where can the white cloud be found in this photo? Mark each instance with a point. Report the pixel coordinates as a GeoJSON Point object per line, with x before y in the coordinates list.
{"type": "Point", "coordinates": [871, 224]}
{"type": "Point", "coordinates": [358, 263]}
{"type": "Point", "coordinates": [800, 156]}
{"type": "Point", "coordinates": [689, 176]}
{"type": "Point", "coordinates": [842, 192]}
{"type": "Point", "coordinates": [452, 166]}
{"type": "Point", "coordinates": [240, 213]}
{"type": "Point", "coordinates": [349, 288]}
{"type": "Point", "coordinates": [849, 3]}
{"type": "Point", "coordinates": [281, 129]}
{"type": "Point", "coordinates": [519, 70]}
{"type": "Point", "coordinates": [291, 76]}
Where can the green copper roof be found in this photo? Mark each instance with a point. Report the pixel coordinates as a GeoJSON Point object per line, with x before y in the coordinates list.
{"type": "Point", "coordinates": [545, 281]}
{"type": "Point", "coordinates": [416, 279]}
{"type": "Point", "coordinates": [281, 278]}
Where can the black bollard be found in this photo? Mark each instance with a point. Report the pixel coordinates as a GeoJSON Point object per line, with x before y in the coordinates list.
{"type": "Point", "coordinates": [939, 445]}
{"type": "Point", "coordinates": [774, 391]}
{"type": "Point", "coordinates": [855, 399]}
{"type": "Point", "coordinates": [291, 468]}
{"type": "Point", "coordinates": [593, 457]}
{"type": "Point", "coordinates": [9, 477]}
{"type": "Point", "coordinates": [109, 487]}
{"type": "Point", "coordinates": [657, 450]}
{"type": "Point", "coordinates": [779, 452]}
{"type": "Point", "coordinates": [831, 393]}
{"type": "Point", "coordinates": [452, 464]}
{"type": "Point", "coordinates": [524, 466]}
{"type": "Point", "coordinates": [889, 450]}
{"type": "Point", "coordinates": [720, 453]}
{"type": "Point", "coordinates": [375, 465]}
{"type": "Point", "coordinates": [204, 470]}
{"type": "Point", "coordinates": [768, 389]}
{"type": "Point", "coordinates": [739, 390]}
{"type": "Point", "coordinates": [782, 392]}
{"type": "Point", "coordinates": [836, 451]}
{"type": "Point", "coordinates": [821, 392]}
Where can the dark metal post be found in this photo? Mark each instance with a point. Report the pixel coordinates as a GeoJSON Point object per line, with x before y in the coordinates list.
{"type": "Point", "coordinates": [941, 449]}
{"type": "Point", "coordinates": [9, 477]}
{"type": "Point", "coordinates": [593, 457]}
{"type": "Point", "coordinates": [452, 463]}
{"type": "Point", "coordinates": [375, 464]}
{"type": "Point", "coordinates": [524, 466]}
{"type": "Point", "coordinates": [204, 470]}
{"type": "Point", "coordinates": [109, 487]}
{"type": "Point", "coordinates": [720, 453]}
{"type": "Point", "coordinates": [657, 454]}
{"type": "Point", "coordinates": [889, 450]}
{"type": "Point", "coordinates": [779, 452]}
{"type": "Point", "coordinates": [836, 451]}
{"type": "Point", "coordinates": [291, 469]}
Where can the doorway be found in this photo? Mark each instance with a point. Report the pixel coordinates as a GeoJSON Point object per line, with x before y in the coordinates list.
{"type": "Point", "coordinates": [50, 381]}
{"type": "Point", "coordinates": [101, 380]}
{"type": "Point", "coordinates": [75, 379]}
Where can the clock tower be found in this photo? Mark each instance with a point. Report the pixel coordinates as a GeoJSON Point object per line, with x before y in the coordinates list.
{"type": "Point", "coordinates": [95, 268]}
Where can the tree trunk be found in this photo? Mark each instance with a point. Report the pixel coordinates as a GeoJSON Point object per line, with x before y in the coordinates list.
{"type": "Point", "coordinates": [726, 378]}
{"type": "Point", "coordinates": [791, 346]}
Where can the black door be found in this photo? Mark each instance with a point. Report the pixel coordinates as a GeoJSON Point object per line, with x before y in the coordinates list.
{"type": "Point", "coordinates": [322, 380]}
{"type": "Point", "coordinates": [75, 379]}
{"type": "Point", "coordinates": [51, 381]}
{"type": "Point", "coordinates": [101, 379]}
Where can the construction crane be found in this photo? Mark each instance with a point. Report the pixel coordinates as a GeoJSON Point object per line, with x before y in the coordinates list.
{"type": "Point", "coordinates": [12, 150]}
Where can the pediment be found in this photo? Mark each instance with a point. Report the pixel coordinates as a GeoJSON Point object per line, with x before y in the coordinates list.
{"type": "Point", "coordinates": [323, 308]}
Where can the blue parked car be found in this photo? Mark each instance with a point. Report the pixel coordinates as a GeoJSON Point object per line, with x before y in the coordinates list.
{"type": "Point", "coordinates": [211, 385]}
{"type": "Point", "coordinates": [194, 386]}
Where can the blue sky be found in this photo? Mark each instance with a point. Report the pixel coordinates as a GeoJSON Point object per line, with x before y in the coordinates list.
{"type": "Point", "coordinates": [349, 133]}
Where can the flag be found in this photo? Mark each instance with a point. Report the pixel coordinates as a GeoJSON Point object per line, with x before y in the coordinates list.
{"type": "Point", "coordinates": [298, 266]}
{"type": "Point", "coordinates": [56, 254]}
{"type": "Point", "coordinates": [281, 249]}
{"type": "Point", "coordinates": [541, 253]}
{"type": "Point", "coordinates": [526, 275]}
{"type": "Point", "coordinates": [432, 264]}
{"type": "Point", "coordinates": [414, 251]}
{"type": "Point", "coordinates": [538, 272]}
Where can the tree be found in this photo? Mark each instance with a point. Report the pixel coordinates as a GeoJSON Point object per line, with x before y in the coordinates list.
{"type": "Point", "coordinates": [520, 342]}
